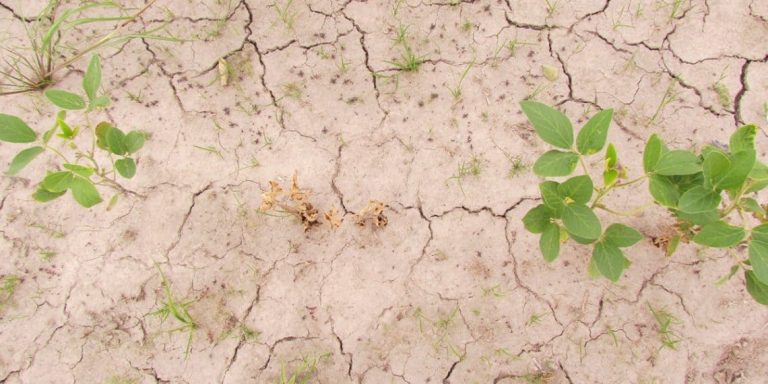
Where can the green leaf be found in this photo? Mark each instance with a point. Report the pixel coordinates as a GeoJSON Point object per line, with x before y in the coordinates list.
{"type": "Point", "coordinates": [663, 191]}
{"type": "Point", "coordinates": [92, 78]}
{"type": "Point", "coordinates": [610, 261]}
{"type": "Point", "coordinates": [80, 170]}
{"type": "Point", "coordinates": [99, 102]}
{"type": "Point", "coordinates": [758, 258]}
{"type": "Point", "coordinates": [621, 236]}
{"type": "Point", "coordinates": [45, 196]}
{"type": "Point", "coordinates": [14, 130]}
{"type": "Point", "coordinates": [134, 140]}
{"type": "Point", "coordinates": [22, 159]}
{"type": "Point", "coordinates": [756, 289]}
{"type": "Point", "coordinates": [115, 140]}
{"type": "Point", "coordinates": [549, 242]}
{"type": "Point", "coordinates": [581, 240]}
{"type": "Point", "coordinates": [741, 165]}
{"type": "Point", "coordinates": [126, 167]}
{"type": "Point", "coordinates": [84, 192]}
{"type": "Point", "coordinates": [715, 167]}
{"type": "Point", "coordinates": [698, 199]}
{"type": "Point", "coordinates": [101, 134]}
{"type": "Point", "coordinates": [701, 218]}
{"type": "Point", "coordinates": [579, 220]}
{"type": "Point", "coordinates": [550, 124]}
{"type": "Point", "coordinates": [610, 177]}
{"type": "Point", "coordinates": [64, 99]}
{"type": "Point", "coordinates": [555, 163]}
{"type": "Point", "coordinates": [672, 245]}
{"type": "Point", "coordinates": [551, 197]}
{"type": "Point", "coordinates": [743, 139]}
{"type": "Point", "coordinates": [578, 189]}
{"type": "Point", "coordinates": [654, 148]}
{"type": "Point", "coordinates": [719, 235]}
{"type": "Point", "coordinates": [57, 181]}
{"type": "Point", "coordinates": [758, 177]}
{"type": "Point", "coordinates": [677, 162]}
{"type": "Point", "coordinates": [592, 136]}
{"type": "Point", "coordinates": [611, 157]}
{"type": "Point", "coordinates": [537, 219]}
{"type": "Point", "coordinates": [751, 205]}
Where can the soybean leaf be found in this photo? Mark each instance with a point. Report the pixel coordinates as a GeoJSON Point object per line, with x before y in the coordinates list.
{"type": "Point", "coordinates": [92, 78]}
{"type": "Point", "coordinates": [654, 148]}
{"type": "Point", "coordinates": [758, 177]}
{"type": "Point", "coordinates": [99, 102]}
{"type": "Point", "coordinates": [555, 163]}
{"type": "Point", "coordinates": [22, 159]}
{"type": "Point", "coordinates": [134, 140]}
{"type": "Point", "coordinates": [66, 131]}
{"type": "Point", "coordinates": [538, 218]}
{"type": "Point", "coordinates": [663, 191]}
{"type": "Point", "coordinates": [551, 197]}
{"type": "Point", "coordinates": [578, 189]}
{"type": "Point", "coordinates": [743, 139]}
{"type": "Point", "coordinates": [549, 242]}
{"type": "Point", "coordinates": [719, 235]}
{"type": "Point", "coordinates": [756, 289]}
{"type": "Point", "coordinates": [621, 236]}
{"type": "Point", "coordinates": [101, 134]}
{"type": "Point", "coordinates": [672, 245]}
{"type": "Point", "coordinates": [758, 252]}
{"type": "Point", "coordinates": [115, 141]}
{"type": "Point", "coordinates": [592, 136]}
{"type": "Point", "coordinates": [611, 157]}
{"type": "Point", "coordinates": [581, 221]}
{"type": "Point", "coordinates": [57, 181]}
{"type": "Point", "coordinates": [698, 199]}
{"type": "Point", "coordinates": [64, 99]}
{"type": "Point", "coordinates": [550, 124]}
{"type": "Point", "coordinates": [610, 177]}
{"type": "Point", "coordinates": [14, 130]}
{"type": "Point", "coordinates": [677, 162]}
{"type": "Point", "coordinates": [580, 240]}
{"type": "Point", "coordinates": [84, 192]}
{"type": "Point", "coordinates": [741, 165]}
{"type": "Point", "coordinates": [80, 170]}
{"type": "Point", "coordinates": [701, 218]}
{"type": "Point", "coordinates": [610, 261]}
{"type": "Point", "coordinates": [715, 167]}
{"type": "Point", "coordinates": [751, 205]}
{"type": "Point", "coordinates": [42, 195]}
{"type": "Point", "coordinates": [126, 167]}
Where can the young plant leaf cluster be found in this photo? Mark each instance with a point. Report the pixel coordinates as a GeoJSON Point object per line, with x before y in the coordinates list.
{"type": "Point", "coordinates": [82, 173]}
{"type": "Point", "coordinates": [711, 194]}
{"type": "Point", "coordinates": [568, 207]}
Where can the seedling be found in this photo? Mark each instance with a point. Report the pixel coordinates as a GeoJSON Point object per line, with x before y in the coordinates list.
{"type": "Point", "coordinates": [466, 168]}
{"type": "Point", "coordinates": [305, 371]}
{"type": "Point", "coordinates": [664, 322]}
{"type": "Point", "coordinates": [670, 96]}
{"type": "Point", "coordinates": [494, 291]}
{"type": "Point", "coordinates": [8, 288]}
{"type": "Point", "coordinates": [535, 319]}
{"type": "Point", "coordinates": [408, 61]}
{"type": "Point", "coordinates": [552, 6]}
{"type": "Point", "coordinates": [513, 44]}
{"type": "Point", "coordinates": [689, 185]}
{"type": "Point", "coordinates": [32, 69]}
{"type": "Point", "coordinates": [180, 311]}
{"type": "Point", "coordinates": [285, 14]}
{"type": "Point", "coordinates": [723, 95]}
{"type": "Point", "coordinates": [83, 169]}
{"type": "Point", "coordinates": [456, 90]}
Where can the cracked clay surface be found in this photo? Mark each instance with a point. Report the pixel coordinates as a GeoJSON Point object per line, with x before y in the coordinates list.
{"type": "Point", "coordinates": [453, 289]}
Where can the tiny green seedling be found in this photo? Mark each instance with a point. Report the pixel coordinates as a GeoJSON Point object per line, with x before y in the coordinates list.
{"type": "Point", "coordinates": [286, 15]}
{"type": "Point", "coordinates": [689, 185]}
{"type": "Point", "coordinates": [408, 61]}
{"type": "Point", "coordinates": [466, 168]}
{"type": "Point", "coordinates": [664, 322]}
{"type": "Point", "coordinates": [456, 90]}
{"type": "Point", "coordinates": [305, 371]}
{"type": "Point", "coordinates": [179, 310]}
{"type": "Point", "coordinates": [723, 94]}
{"type": "Point", "coordinates": [8, 288]}
{"type": "Point", "coordinates": [82, 169]}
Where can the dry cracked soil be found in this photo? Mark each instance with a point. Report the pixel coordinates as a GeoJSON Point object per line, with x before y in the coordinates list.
{"type": "Point", "coordinates": [452, 289]}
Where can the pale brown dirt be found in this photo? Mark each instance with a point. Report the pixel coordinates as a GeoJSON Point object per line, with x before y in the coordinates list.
{"type": "Point", "coordinates": [453, 290]}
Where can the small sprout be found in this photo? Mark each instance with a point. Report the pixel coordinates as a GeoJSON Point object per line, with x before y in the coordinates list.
{"type": "Point", "coordinates": [664, 322]}
{"type": "Point", "coordinates": [285, 14]}
{"type": "Point", "coordinates": [467, 168]}
{"type": "Point", "coordinates": [535, 319]}
{"type": "Point", "coordinates": [177, 309]}
{"type": "Point", "coordinates": [8, 288]}
{"type": "Point", "coordinates": [494, 291]}
{"type": "Point", "coordinates": [373, 212]}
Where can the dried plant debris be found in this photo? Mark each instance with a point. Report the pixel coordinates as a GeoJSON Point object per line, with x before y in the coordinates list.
{"type": "Point", "coordinates": [373, 212]}
{"type": "Point", "coordinates": [296, 202]}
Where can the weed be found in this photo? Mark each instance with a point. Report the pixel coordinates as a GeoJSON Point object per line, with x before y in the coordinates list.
{"type": "Point", "coordinates": [689, 185]}
{"type": "Point", "coordinates": [305, 371]}
{"type": "Point", "coordinates": [180, 311]}
{"type": "Point", "coordinates": [8, 288]}
{"type": "Point", "coordinates": [552, 6]}
{"type": "Point", "coordinates": [34, 68]}
{"type": "Point", "coordinates": [664, 322]}
{"type": "Point", "coordinates": [723, 95]}
{"type": "Point", "coordinates": [210, 149]}
{"type": "Point", "coordinates": [466, 168]}
{"type": "Point", "coordinates": [85, 169]}
{"type": "Point", "coordinates": [292, 90]}
{"type": "Point", "coordinates": [467, 26]}
{"type": "Point", "coordinates": [401, 36]}
{"type": "Point", "coordinates": [535, 319]}
{"type": "Point", "coordinates": [47, 255]}
{"type": "Point", "coordinates": [285, 14]}
{"type": "Point", "coordinates": [514, 44]}
{"type": "Point", "coordinates": [456, 91]}
{"type": "Point", "coordinates": [408, 61]}
{"type": "Point", "coordinates": [670, 95]}
{"type": "Point", "coordinates": [121, 380]}
{"type": "Point", "coordinates": [494, 291]}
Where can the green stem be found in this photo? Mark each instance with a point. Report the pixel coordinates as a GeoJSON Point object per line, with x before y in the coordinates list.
{"type": "Point", "coordinates": [633, 181]}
